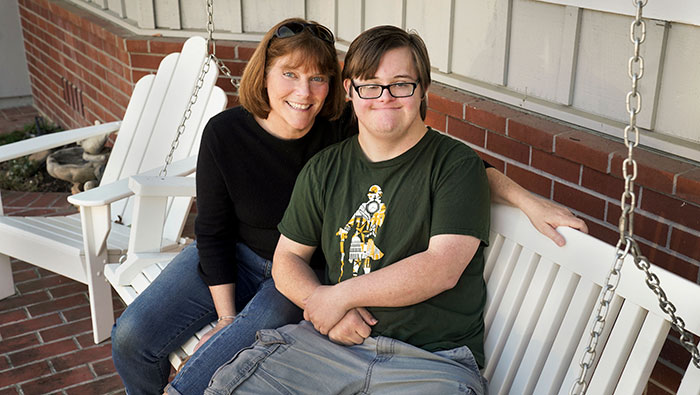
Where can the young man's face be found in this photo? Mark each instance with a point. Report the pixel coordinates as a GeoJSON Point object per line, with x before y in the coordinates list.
{"type": "Point", "coordinates": [387, 116]}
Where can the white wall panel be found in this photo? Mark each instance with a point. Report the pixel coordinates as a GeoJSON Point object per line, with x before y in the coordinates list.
{"type": "Point", "coordinates": [432, 19]}
{"type": "Point", "coordinates": [601, 82]}
{"type": "Point", "coordinates": [678, 106]}
{"type": "Point", "coordinates": [386, 12]}
{"type": "Point", "coordinates": [167, 14]}
{"type": "Point", "coordinates": [323, 12]}
{"type": "Point", "coordinates": [350, 19]}
{"type": "Point", "coordinates": [227, 15]}
{"type": "Point", "coordinates": [481, 39]}
{"type": "Point", "coordinates": [542, 67]}
{"type": "Point", "coordinates": [260, 15]}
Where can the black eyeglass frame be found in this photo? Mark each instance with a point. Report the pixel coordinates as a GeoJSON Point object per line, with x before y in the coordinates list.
{"type": "Point", "coordinates": [294, 28]}
{"type": "Point", "coordinates": [387, 87]}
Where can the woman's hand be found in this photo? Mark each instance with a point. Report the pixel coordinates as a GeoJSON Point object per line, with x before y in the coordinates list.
{"type": "Point", "coordinates": [221, 324]}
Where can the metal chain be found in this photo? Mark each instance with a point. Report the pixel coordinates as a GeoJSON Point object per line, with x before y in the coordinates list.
{"type": "Point", "coordinates": [200, 82]}
{"type": "Point", "coordinates": [626, 245]}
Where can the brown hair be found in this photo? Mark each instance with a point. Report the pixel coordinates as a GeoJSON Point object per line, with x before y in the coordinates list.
{"type": "Point", "coordinates": [366, 51]}
{"type": "Point", "coordinates": [310, 50]}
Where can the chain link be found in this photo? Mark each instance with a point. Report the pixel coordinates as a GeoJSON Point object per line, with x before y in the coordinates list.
{"type": "Point", "coordinates": [211, 57]}
{"type": "Point", "coordinates": [626, 245]}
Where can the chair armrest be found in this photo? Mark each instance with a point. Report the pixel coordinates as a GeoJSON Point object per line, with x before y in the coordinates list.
{"type": "Point", "coordinates": [48, 141]}
{"type": "Point", "coordinates": [162, 186]}
{"type": "Point", "coordinates": [109, 193]}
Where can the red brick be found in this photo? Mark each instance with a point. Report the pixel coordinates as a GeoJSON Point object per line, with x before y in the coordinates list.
{"type": "Point", "coordinates": [653, 170]}
{"type": "Point", "coordinates": [9, 391]}
{"type": "Point", "coordinates": [18, 343]}
{"type": "Point", "coordinates": [245, 50]}
{"type": "Point", "coordinates": [82, 357]}
{"type": "Point", "coordinates": [24, 275]}
{"type": "Point", "coordinates": [76, 314]}
{"type": "Point", "coordinates": [166, 46]}
{"type": "Point", "coordinates": [535, 131]}
{"type": "Point", "coordinates": [605, 183]}
{"type": "Point", "coordinates": [436, 120]}
{"type": "Point", "coordinates": [58, 381]}
{"type": "Point", "coordinates": [645, 227]}
{"type": "Point", "coordinates": [671, 263]}
{"type": "Point", "coordinates": [487, 115]}
{"type": "Point", "coordinates": [29, 325]}
{"type": "Point", "coordinates": [103, 368]}
{"type": "Point", "coordinates": [674, 353]}
{"type": "Point", "coordinates": [579, 200]}
{"type": "Point", "coordinates": [559, 167]}
{"type": "Point", "coordinates": [686, 243]}
{"type": "Point", "coordinates": [466, 131]}
{"type": "Point", "coordinates": [102, 386]}
{"type": "Point", "coordinates": [586, 148]}
{"type": "Point", "coordinates": [68, 289]}
{"type": "Point", "coordinates": [439, 103]}
{"type": "Point", "coordinates": [24, 373]}
{"type": "Point", "coordinates": [671, 208]}
{"type": "Point", "coordinates": [145, 61]}
{"type": "Point", "coordinates": [508, 147]}
{"type": "Point", "coordinates": [529, 180]}
{"type": "Point", "coordinates": [4, 363]}
{"type": "Point", "coordinates": [42, 352]}
{"type": "Point", "coordinates": [47, 282]}
{"type": "Point", "coordinates": [226, 50]}
{"type": "Point", "coordinates": [7, 317]}
{"type": "Point", "coordinates": [67, 330]}
{"type": "Point", "coordinates": [654, 389]}
{"type": "Point", "coordinates": [22, 300]}
{"type": "Point", "coordinates": [688, 186]}
{"type": "Point", "coordinates": [666, 377]}
{"type": "Point", "coordinates": [57, 305]}
{"type": "Point", "coordinates": [493, 161]}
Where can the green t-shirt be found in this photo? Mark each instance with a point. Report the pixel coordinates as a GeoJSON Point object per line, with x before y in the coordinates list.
{"type": "Point", "coordinates": [367, 215]}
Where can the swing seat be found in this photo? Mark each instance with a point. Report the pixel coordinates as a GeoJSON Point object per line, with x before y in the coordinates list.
{"type": "Point", "coordinates": [78, 246]}
{"type": "Point", "coordinates": [541, 304]}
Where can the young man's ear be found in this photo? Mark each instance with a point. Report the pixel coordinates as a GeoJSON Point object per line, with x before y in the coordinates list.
{"type": "Point", "coordinates": [347, 84]}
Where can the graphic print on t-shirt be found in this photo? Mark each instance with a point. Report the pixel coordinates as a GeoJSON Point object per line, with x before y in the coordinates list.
{"type": "Point", "coordinates": [365, 223]}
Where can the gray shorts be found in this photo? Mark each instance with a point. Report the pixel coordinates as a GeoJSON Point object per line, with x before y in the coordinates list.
{"type": "Point", "coordinates": [296, 359]}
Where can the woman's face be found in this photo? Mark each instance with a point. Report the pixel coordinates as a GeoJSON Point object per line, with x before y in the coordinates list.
{"type": "Point", "coordinates": [296, 96]}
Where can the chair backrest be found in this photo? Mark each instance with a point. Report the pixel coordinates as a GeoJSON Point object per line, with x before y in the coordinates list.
{"type": "Point", "coordinates": [152, 117]}
{"type": "Point", "coordinates": [541, 304]}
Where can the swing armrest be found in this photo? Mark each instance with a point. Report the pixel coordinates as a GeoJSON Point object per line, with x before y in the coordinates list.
{"type": "Point", "coordinates": [53, 140]}
{"type": "Point", "coordinates": [109, 193]}
{"type": "Point", "coordinates": [162, 186]}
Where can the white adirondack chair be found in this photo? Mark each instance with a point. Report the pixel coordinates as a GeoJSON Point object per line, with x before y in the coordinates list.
{"type": "Point", "coordinates": [78, 246]}
{"type": "Point", "coordinates": [540, 307]}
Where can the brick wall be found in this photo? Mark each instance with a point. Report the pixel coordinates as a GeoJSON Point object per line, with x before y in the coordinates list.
{"type": "Point", "coordinates": [83, 69]}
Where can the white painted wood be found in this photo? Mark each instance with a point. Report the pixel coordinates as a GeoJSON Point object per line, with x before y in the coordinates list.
{"type": "Point", "coordinates": [118, 7]}
{"type": "Point", "coordinates": [433, 20]}
{"type": "Point", "coordinates": [481, 40]}
{"type": "Point", "coordinates": [685, 11]}
{"type": "Point", "coordinates": [690, 385]}
{"type": "Point", "coordinates": [631, 341]}
{"type": "Point", "coordinates": [388, 12]}
{"type": "Point", "coordinates": [80, 248]}
{"type": "Point", "coordinates": [643, 357]}
{"type": "Point", "coordinates": [7, 286]}
{"type": "Point", "coordinates": [350, 19]}
{"type": "Point", "coordinates": [499, 277]}
{"type": "Point", "coordinates": [168, 13]}
{"type": "Point", "coordinates": [601, 82]}
{"type": "Point", "coordinates": [324, 12]}
{"type": "Point", "coordinates": [53, 140]}
{"type": "Point", "coordinates": [543, 67]}
{"type": "Point", "coordinates": [132, 10]}
{"type": "Point", "coordinates": [260, 15]}
{"type": "Point", "coordinates": [679, 100]}
{"type": "Point", "coordinates": [145, 18]}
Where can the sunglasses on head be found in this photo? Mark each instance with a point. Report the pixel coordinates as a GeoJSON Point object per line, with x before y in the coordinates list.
{"type": "Point", "coordinates": [290, 29]}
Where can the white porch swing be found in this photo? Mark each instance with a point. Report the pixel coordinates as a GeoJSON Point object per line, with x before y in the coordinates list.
{"type": "Point", "coordinates": [541, 301]}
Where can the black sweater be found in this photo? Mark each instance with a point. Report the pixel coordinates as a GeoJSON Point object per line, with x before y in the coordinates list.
{"type": "Point", "coordinates": [245, 178]}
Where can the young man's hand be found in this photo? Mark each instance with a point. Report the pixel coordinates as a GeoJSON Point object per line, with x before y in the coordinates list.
{"type": "Point", "coordinates": [325, 308]}
{"type": "Point", "coordinates": [353, 328]}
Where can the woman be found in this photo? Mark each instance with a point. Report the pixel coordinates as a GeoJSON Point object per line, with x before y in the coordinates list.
{"type": "Point", "coordinates": [292, 106]}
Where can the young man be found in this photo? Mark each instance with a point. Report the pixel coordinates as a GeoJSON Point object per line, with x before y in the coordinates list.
{"type": "Point", "coordinates": [402, 215]}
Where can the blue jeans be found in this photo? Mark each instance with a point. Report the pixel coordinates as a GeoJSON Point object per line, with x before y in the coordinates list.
{"type": "Point", "coordinates": [177, 305]}
{"type": "Point", "coordinates": [296, 359]}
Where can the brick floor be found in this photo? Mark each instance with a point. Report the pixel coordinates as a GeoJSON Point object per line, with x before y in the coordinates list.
{"type": "Point", "coordinates": [46, 341]}
{"type": "Point", "coordinates": [16, 118]}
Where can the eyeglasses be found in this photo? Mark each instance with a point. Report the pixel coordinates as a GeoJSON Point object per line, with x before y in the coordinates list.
{"type": "Point", "coordinates": [374, 91]}
{"type": "Point", "coordinates": [290, 29]}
